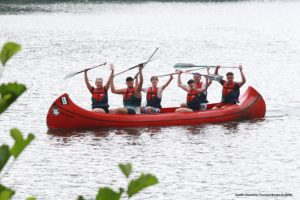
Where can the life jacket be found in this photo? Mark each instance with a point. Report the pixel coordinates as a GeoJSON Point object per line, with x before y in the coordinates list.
{"type": "Point", "coordinates": [152, 99]}
{"type": "Point", "coordinates": [129, 99]}
{"type": "Point", "coordinates": [231, 92]}
{"type": "Point", "coordinates": [203, 95]}
{"type": "Point", "coordinates": [99, 97]}
{"type": "Point", "coordinates": [193, 100]}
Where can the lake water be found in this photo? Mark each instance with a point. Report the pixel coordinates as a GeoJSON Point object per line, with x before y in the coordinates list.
{"type": "Point", "coordinates": [202, 162]}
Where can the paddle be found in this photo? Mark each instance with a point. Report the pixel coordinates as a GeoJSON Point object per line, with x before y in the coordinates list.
{"type": "Point", "coordinates": [132, 68]}
{"type": "Point", "coordinates": [146, 62]}
{"type": "Point", "coordinates": [189, 65]}
{"type": "Point", "coordinates": [210, 77]}
{"type": "Point", "coordinates": [75, 73]}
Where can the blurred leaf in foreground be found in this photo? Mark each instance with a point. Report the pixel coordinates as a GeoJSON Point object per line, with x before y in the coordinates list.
{"type": "Point", "coordinates": [107, 193]}
{"type": "Point", "coordinates": [142, 182]}
{"type": "Point", "coordinates": [9, 93]}
{"type": "Point", "coordinates": [8, 50]}
{"type": "Point", "coordinates": [126, 169]}
{"type": "Point", "coordinates": [5, 193]}
{"type": "Point", "coordinates": [4, 155]}
{"type": "Point", "coordinates": [20, 142]}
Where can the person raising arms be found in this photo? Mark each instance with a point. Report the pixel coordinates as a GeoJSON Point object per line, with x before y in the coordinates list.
{"type": "Point", "coordinates": [201, 85]}
{"type": "Point", "coordinates": [193, 95]}
{"type": "Point", "coordinates": [154, 95]}
{"type": "Point", "coordinates": [231, 89]}
{"type": "Point", "coordinates": [132, 96]}
{"type": "Point", "coordinates": [99, 93]}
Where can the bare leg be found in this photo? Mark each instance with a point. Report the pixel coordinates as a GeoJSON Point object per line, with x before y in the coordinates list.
{"type": "Point", "coordinates": [98, 110]}
{"type": "Point", "coordinates": [183, 105]}
{"type": "Point", "coordinates": [119, 111]}
{"type": "Point", "coordinates": [183, 110]}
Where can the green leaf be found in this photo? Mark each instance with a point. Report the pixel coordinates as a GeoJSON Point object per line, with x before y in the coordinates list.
{"type": "Point", "coordinates": [4, 155]}
{"type": "Point", "coordinates": [31, 198]}
{"type": "Point", "coordinates": [5, 193]}
{"type": "Point", "coordinates": [80, 198]}
{"type": "Point", "coordinates": [142, 182]}
{"type": "Point", "coordinates": [107, 193]}
{"type": "Point", "coordinates": [9, 93]}
{"type": "Point", "coordinates": [8, 50]}
{"type": "Point", "coordinates": [20, 143]}
{"type": "Point", "coordinates": [126, 169]}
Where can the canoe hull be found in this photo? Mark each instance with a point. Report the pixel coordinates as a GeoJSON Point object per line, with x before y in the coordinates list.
{"type": "Point", "coordinates": [64, 114]}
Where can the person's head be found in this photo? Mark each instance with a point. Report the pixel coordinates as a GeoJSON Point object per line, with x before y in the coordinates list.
{"type": "Point", "coordinates": [129, 81]}
{"type": "Point", "coordinates": [99, 82]}
{"type": "Point", "coordinates": [230, 76]}
{"type": "Point", "coordinates": [154, 80]}
{"type": "Point", "coordinates": [196, 77]}
{"type": "Point", "coordinates": [191, 84]}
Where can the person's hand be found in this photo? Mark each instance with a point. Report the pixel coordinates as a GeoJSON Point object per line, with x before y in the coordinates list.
{"type": "Point", "coordinates": [208, 68]}
{"type": "Point", "coordinates": [149, 110]}
{"type": "Point", "coordinates": [112, 67]}
{"type": "Point", "coordinates": [85, 71]}
{"type": "Point", "coordinates": [240, 67]}
{"type": "Point", "coordinates": [141, 66]}
{"type": "Point", "coordinates": [218, 66]}
{"type": "Point", "coordinates": [171, 76]}
{"type": "Point", "coordinates": [179, 72]}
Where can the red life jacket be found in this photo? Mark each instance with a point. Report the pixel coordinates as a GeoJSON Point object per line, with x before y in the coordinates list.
{"type": "Point", "coordinates": [129, 99]}
{"type": "Point", "coordinates": [128, 93]}
{"type": "Point", "coordinates": [203, 95]}
{"type": "Point", "coordinates": [199, 85]}
{"type": "Point", "coordinates": [99, 97]}
{"type": "Point", "coordinates": [152, 99]}
{"type": "Point", "coordinates": [193, 100]}
{"type": "Point", "coordinates": [231, 92]}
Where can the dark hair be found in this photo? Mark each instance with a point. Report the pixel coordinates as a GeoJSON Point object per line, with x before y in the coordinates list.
{"type": "Point", "coordinates": [229, 74]}
{"type": "Point", "coordinates": [190, 81]}
{"type": "Point", "coordinates": [129, 78]}
{"type": "Point", "coordinates": [153, 77]}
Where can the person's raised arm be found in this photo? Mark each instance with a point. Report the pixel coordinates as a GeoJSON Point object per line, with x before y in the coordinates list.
{"type": "Point", "coordinates": [201, 90]}
{"type": "Point", "coordinates": [208, 82]}
{"type": "Point", "coordinates": [179, 83]}
{"type": "Point", "coordinates": [141, 79]}
{"type": "Point", "coordinates": [168, 82]}
{"type": "Point", "coordinates": [112, 68]}
{"type": "Point", "coordinates": [88, 85]}
{"type": "Point", "coordinates": [242, 75]}
{"type": "Point", "coordinates": [217, 70]}
{"type": "Point", "coordinates": [113, 89]}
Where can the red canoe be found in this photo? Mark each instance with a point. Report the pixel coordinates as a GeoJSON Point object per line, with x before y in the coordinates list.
{"type": "Point", "coordinates": [64, 114]}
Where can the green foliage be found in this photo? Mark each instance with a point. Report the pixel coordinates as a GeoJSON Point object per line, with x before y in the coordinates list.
{"type": "Point", "coordinates": [4, 155]}
{"type": "Point", "coordinates": [142, 182]}
{"type": "Point", "coordinates": [126, 169]}
{"type": "Point", "coordinates": [8, 50]}
{"type": "Point", "coordinates": [107, 193]}
{"type": "Point", "coordinates": [5, 193]}
{"type": "Point", "coordinates": [9, 93]}
{"type": "Point", "coordinates": [80, 198]}
{"type": "Point", "coordinates": [20, 143]}
{"type": "Point", "coordinates": [31, 198]}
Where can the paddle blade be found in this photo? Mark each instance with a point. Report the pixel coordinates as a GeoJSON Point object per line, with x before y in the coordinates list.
{"type": "Point", "coordinates": [188, 65]}
{"type": "Point", "coordinates": [75, 73]}
{"type": "Point", "coordinates": [214, 77]}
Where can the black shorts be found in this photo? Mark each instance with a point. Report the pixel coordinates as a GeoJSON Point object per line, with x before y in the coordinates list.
{"type": "Point", "coordinates": [131, 111]}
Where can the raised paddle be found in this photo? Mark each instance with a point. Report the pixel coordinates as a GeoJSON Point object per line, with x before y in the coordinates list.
{"type": "Point", "coordinates": [75, 73]}
{"type": "Point", "coordinates": [209, 76]}
{"type": "Point", "coordinates": [189, 65]}
{"type": "Point", "coordinates": [132, 68]}
{"type": "Point", "coordinates": [146, 62]}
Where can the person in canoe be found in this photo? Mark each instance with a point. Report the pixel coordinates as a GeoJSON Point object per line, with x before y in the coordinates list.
{"type": "Point", "coordinates": [99, 93]}
{"type": "Point", "coordinates": [154, 95]}
{"type": "Point", "coordinates": [193, 101]}
{"type": "Point", "coordinates": [132, 96]}
{"type": "Point", "coordinates": [231, 89]}
{"type": "Point", "coordinates": [201, 85]}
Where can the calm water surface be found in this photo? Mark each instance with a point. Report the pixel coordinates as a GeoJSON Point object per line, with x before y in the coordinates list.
{"type": "Point", "coordinates": [202, 162]}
